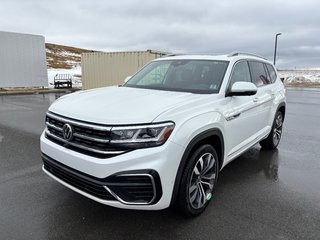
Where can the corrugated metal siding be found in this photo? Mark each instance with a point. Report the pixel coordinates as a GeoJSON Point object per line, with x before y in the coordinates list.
{"type": "Point", "coordinates": [100, 69]}
{"type": "Point", "coordinates": [22, 60]}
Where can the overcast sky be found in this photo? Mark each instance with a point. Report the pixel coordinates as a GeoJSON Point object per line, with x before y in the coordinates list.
{"type": "Point", "coordinates": [198, 26]}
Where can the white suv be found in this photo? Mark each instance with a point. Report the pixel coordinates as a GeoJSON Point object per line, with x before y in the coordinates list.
{"type": "Point", "coordinates": [162, 137]}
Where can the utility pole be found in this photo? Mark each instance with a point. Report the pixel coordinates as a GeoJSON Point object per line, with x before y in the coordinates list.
{"type": "Point", "coordinates": [275, 48]}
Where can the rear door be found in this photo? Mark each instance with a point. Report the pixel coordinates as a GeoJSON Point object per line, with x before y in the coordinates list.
{"type": "Point", "coordinates": [265, 95]}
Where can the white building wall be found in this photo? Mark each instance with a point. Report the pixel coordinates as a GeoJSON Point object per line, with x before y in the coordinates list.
{"type": "Point", "coordinates": [22, 60]}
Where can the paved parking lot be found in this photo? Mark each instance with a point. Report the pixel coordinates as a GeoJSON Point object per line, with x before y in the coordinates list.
{"type": "Point", "coordinates": [260, 195]}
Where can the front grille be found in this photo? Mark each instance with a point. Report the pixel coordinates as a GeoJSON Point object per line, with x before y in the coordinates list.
{"type": "Point", "coordinates": [86, 138]}
{"type": "Point", "coordinates": [76, 179]}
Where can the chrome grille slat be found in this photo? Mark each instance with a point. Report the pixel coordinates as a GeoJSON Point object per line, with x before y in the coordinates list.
{"type": "Point", "coordinates": [72, 122]}
{"type": "Point", "coordinates": [79, 135]}
{"type": "Point", "coordinates": [82, 147]}
{"type": "Point", "coordinates": [91, 138]}
{"type": "Point", "coordinates": [85, 137]}
{"type": "Point", "coordinates": [54, 126]}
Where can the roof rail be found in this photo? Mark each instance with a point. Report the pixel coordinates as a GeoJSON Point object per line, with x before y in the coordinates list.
{"type": "Point", "coordinates": [157, 52]}
{"type": "Point", "coordinates": [173, 54]}
{"type": "Point", "coordinates": [244, 53]}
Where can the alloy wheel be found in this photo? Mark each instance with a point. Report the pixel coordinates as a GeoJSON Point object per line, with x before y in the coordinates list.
{"type": "Point", "coordinates": [277, 131]}
{"type": "Point", "coordinates": [202, 181]}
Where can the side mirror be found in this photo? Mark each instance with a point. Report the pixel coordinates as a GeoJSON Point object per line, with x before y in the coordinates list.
{"type": "Point", "coordinates": [243, 89]}
{"type": "Point", "coordinates": [126, 79]}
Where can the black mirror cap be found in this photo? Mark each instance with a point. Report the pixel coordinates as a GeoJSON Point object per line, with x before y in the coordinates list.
{"type": "Point", "coordinates": [245, 93]}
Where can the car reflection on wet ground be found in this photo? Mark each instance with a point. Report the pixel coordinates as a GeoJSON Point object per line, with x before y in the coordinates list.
{"type": "Point", "coordinates": [260, 195]}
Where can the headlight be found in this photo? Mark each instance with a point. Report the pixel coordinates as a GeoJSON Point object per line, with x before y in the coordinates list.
{"type": "Point", "coordinates": [141, 136]}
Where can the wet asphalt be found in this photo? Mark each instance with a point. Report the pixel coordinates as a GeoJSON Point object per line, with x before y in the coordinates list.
{"type": "Point", "coordinates": [260, 195]}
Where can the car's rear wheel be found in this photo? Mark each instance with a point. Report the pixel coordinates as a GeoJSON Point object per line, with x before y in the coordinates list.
{"type": "Point", "coordinates": [198, 181]}
{"type": "Point", "coordinates": [273, 140]}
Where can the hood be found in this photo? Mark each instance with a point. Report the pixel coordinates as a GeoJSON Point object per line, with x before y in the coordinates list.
{"type": "Point", "coordinates": [119, 105]}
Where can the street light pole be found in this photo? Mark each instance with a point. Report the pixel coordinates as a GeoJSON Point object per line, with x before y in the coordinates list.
{"type": "Point", "coordinates": [275, 48]}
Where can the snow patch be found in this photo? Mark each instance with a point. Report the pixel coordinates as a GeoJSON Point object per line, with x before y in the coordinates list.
{"type": "Point", "coordinates": [300, 76]}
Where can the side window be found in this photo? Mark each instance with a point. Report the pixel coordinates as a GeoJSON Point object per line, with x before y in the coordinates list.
{"type": "Point", "coordinates": [241, 73]}
{"type": "Point", "coordinates": [272, 73]}
{"type": "Point", "coordinates": [259, 75]}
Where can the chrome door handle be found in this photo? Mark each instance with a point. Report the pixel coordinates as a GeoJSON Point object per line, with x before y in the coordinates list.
{"type": "Point", "coordinates": [233, 116]}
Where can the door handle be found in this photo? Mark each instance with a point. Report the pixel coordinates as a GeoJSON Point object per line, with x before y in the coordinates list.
{"type": "Point", "coordinates": [233, 116]}
{"type": "Point", "coordinates": [255, 100]}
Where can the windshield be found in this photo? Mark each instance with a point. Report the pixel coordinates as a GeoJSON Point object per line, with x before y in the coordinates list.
{"type": "Point", "coordinates": [196, 76]}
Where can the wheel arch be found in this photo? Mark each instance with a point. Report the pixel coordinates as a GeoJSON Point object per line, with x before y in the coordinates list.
{"type": "Point", "coordinates": [282, 109]}
{"type": "Point", "coordinates": [213, 137]}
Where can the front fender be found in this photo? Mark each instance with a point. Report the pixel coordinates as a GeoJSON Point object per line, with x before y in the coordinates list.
{"type": "Point", "coordinates": [192, 131]}
{"type": "Point", "coordinates": [188, 129]}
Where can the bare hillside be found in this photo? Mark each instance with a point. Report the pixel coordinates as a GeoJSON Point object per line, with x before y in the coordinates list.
{"type": "Point", "coordinates": [63, 57]}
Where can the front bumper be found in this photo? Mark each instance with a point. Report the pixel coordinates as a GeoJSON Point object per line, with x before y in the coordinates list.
{"type": "Point", "coordinates": [160, 164]}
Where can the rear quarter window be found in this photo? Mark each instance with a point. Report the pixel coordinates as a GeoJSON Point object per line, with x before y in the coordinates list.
{"type": "Point", "coordinates": [272, 73]}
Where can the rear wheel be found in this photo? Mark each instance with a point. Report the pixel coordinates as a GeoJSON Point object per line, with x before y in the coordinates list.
{"type": "Point", "coordinates": [198, 181]}
{"type": "Point", "coordinates": [273, 140]}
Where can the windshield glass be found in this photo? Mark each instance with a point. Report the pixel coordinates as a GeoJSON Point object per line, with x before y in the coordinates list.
{"type": "Point", "coordinates": [196, 76]}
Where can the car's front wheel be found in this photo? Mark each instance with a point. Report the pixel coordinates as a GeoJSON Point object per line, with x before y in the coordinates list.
{"type": "Point", "coordinates": [273, 140]}
{"type": "Point", "coordinates": [198, 181]}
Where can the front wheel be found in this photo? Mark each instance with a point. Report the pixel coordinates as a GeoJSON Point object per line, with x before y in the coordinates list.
{"type": "Point", "coordinates": [273, 140]}
{"type": "Point", "coordinates": [198, 181]}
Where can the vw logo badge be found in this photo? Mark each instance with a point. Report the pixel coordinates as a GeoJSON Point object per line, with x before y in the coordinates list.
{"type": "Point", "coordinates": [67, 132]}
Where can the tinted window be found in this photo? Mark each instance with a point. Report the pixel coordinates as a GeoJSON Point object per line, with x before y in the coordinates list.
{"type": "Point", "coordinates": [272, 73]}
{"type": "Point", "coordinates": [241, 73]}
{"type": "Point", "coordinates": [259, 76]}
{"type": "Point", "coordinates": [197, 76]}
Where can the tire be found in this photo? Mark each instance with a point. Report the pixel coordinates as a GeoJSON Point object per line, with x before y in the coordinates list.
{"type": "Point", "coordinates": [196, 190]}
{"type": "Point", "coordinates": [273, 140]}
